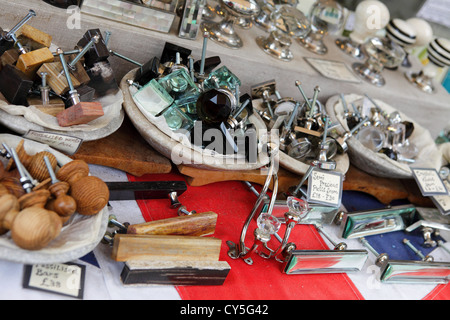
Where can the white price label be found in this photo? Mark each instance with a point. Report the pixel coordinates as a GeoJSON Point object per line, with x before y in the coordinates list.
{"type": "Point", "coordinates": [429, 182]}
{"type": "Point", "coordinates": [325, 187]}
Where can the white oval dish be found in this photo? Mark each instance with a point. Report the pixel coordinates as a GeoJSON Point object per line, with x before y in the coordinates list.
{"type": "Point", "coordinates": [79, 235]}
{"type": "Point", "coordinates": [378, 164]}
{"type": "Point", "coordinates": [178, 149]}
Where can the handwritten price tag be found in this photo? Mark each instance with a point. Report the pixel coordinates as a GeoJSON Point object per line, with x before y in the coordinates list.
{"type": "Point", "coordinates": [65, 279]}
{"type": "Point", "coordinates": [61, 142]}
{"type": "Point", "coordinates": [443, 201]}
{"type": "Point", "coordinates": [429, 182]}
{"type": "Point", "coordinates": [325, 188]}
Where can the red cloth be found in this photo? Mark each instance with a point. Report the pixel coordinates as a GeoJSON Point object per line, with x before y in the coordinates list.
{"type": "Point", "coordinates": [263, 280]}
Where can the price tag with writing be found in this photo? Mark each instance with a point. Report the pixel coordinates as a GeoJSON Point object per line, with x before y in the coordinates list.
{"type": "Point", "coordinates": [429, 182]}
{"type": "Point", "coordinates": [61, 142]}
{"type": "Point", "coordinates": [325, 187]}
{"type": "Point", "coordinates": [64, 279]}
{"type": "Point", "coordinates": [442, 202]}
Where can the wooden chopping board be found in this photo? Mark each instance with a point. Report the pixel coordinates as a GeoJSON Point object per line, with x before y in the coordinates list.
{"type": "Point", "coordinates": [125, 150]}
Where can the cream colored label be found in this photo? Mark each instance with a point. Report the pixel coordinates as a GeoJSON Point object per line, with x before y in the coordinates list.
{"type": "Point", "coordinates": [64, 143]}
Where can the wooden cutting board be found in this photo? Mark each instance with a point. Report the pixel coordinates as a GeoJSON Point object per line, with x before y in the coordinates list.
{"type": "Point", "coordinates": [125, 150]}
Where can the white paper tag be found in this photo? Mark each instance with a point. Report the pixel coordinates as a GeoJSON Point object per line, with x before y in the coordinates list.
{"type": "Point", "coordinates": [325, 187]}
{"type": "Point", "coordinates": [65, 279]}
{"type": "Point", "coordinates": [335, 70]}
{"type": "Point", "coordinates": [429, 182]}
{"type": "Point", "coordinates": [64, 143]}
{"type": "Point", "coordinates": [442, 202]}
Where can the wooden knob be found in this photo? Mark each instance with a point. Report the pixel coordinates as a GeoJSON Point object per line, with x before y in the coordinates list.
{"type": "Point", "coordinates": [63, 204]}
{"type": "Point", "coordinates": [36, 199]}
{"type": "Point", "coordinates": [73, 171]}
{"type": "Point", "coordinates": [35, 227]}
{"type": "Point", "coordinates": [34, 164]}
{"type": "Point", "coordinates": [13, 186]}
{"type": "Point", "coordinates": [90, 193]}
{"type": "Point", "coordinates": [9, 208]}
{"type": "Point", "coordinates": [37, 167]}
{"type": "Point", "coordinates": [3, 190]}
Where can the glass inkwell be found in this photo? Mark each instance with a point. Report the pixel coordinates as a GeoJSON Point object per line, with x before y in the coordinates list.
{"type": "Point", "coordinates": [327, 17]}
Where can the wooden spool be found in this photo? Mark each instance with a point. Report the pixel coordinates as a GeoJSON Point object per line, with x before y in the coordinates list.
{"type": "Point", "coordinates": [90, 193]}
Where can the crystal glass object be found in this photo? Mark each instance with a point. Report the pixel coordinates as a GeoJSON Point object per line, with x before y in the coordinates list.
{"type": "Point", "coordinates": [288, 22]}
{"type": "Point", "coordinates": [439, 57]}
{"type": "Point", "coordinates": [222, 78]}
{"type": "Point", "coordinates": [371, 137]}
{"type": "Point", "coordinates": [152, 98]}
{"type": "Point", "coordinates": [365, 26]}
{"type": "Point", "coordinates": [176, 119]}
{"type": "Point", "coordinates": [297, 207]}
{"type": "Point", "coordinates": [223, 32]}
{"type": "Point", "coordinates": [402, 33]}
{"type": "Point", "coordinates": [381, 53]}
{"type": "Point", "coordinates": [214, 106]}
{"type": "Point", "coordinates": [268, 223]}
{"type": "Point", "coordinates": [180, 87]}
{"type": "Point", "coordinates": [327, 17]}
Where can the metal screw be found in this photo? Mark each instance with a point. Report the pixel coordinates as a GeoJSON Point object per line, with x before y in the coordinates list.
{"type": "Point", "coordinates": [14, 29]}
{"type": "Point", "coordinates": [182, 210]}
{"type": "Point", "coordinates": [313, 106]}
{"type": "Point", "coordinates": [417, 251]}
{"type": "Point", "coordinates": [25, 180]}
{"type": "Point", "coordinates": [337, 246]}
{"type": "Point", "coordinates": [125, 58]}
{"type": "Point", "coordinates": [108, 238]}
{"type": "Point", "coordinates": [73, 93]}
{"type": "Point", "coordinates": [441, 244]}
{"type": "Point", "coordinates": [107, 36]}
{"type": "Point", "coordinates": [381, 258]}
{"type": "Point", "coordinates": [202, 62]}
{"type": "Point", "coordinates": [112, 222]}
{"type": "Point", "coordinates": [428, 243]}
{"type": "Point", "coordinates": [50, 170]}
{"type": "Point", "coordinates": [134, 84]}
{"type": "Point", "coordinates": [174, 202]}
{"type": "Point", "coordinates": [299, 86]}
{"type": "Point", "coordinates": [83, 51]}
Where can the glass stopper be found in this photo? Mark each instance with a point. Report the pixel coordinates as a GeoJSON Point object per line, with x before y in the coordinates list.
{"type": "Point", "coordinates": [297, 206]}
{"type": "Point", "coordinates": [268, 223]}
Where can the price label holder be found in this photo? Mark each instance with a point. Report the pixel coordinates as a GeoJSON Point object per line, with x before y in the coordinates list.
{"type": "Point", "coordinates": [429, 182]}
{"type": "Point", "coordinates": [65, 279]}
{"type": "Point", "coordinates": [325, 187]}
{"type": "Point", "coordinates": [61, 142]}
